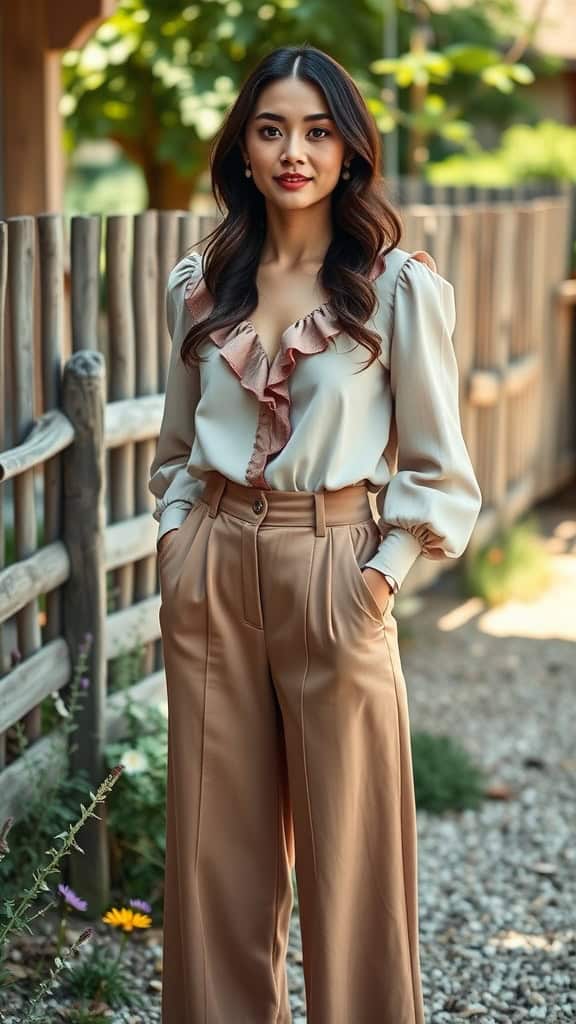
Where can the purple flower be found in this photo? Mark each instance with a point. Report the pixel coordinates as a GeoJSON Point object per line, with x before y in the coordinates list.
{"type": "Point", "coordinates": [71, 899]}
{"type": "Point", "coordinates": [84, 682]}
{"type": "Point", "coordinates": [141, 905]}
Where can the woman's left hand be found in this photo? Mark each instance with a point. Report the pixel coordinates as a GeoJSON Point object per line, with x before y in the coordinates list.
{"type": "Point", "coordinates": [424, 257]}
{"type": "Point", "coordinates": [380, 587]}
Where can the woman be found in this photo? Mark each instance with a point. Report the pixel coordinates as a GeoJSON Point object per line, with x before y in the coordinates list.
{"type": "Point", "coordinates": [289, 739]}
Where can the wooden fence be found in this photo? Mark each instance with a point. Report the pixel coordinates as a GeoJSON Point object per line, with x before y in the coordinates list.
{"type": "Point", "coordinates": [84, 352]}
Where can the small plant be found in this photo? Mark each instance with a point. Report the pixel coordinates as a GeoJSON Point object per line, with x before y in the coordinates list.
{"type": "Point", "coordinates": [445, 778]}
{"type": "Point", "coordinates": [34, 1012]}
{"type": "Point", "coordinates": [21, 906]}
{"type": "Point", "coordinates": [513, 566]}
{"type": "Point", "coordinates": [136, 816]}
{"type": "Point", "coordinates": [68, 899]}
{"type": "Point", "coordinates": [86, 1015]}
{"type": "Point", "coordinates": [101, 976]}
{"type": "Point", "coordinates": [126, 669]}
{"type": "Point", "coordinates": [18, 914]}
{"type": "Point", "coordinates": [54, 803]}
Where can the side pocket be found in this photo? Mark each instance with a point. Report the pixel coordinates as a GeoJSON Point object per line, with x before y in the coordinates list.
{"type": "Point", "coordinates": [364, 593]}
{"type": "Point", "coordinates": [177, 545]}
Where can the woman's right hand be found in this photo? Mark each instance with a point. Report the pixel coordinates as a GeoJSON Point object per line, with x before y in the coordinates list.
{"type": "Point", "coordinates": [162, 543]}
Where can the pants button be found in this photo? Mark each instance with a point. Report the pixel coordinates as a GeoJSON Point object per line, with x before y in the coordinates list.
{"type": "Point", "coordinates": [258, 505]}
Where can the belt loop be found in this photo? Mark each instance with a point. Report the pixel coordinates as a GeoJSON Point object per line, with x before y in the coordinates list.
{"type": "Point", "coordinates": [220, 484]}
{"type": "Point", "coordinates": [320, 510]}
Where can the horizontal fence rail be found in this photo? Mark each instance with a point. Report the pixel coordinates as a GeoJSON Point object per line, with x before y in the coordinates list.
{"type": "Point", "coordinates": [84, 352]}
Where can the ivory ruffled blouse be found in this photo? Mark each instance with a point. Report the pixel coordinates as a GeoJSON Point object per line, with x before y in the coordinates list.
{"type": "Point", "coordinates": [309, 420]}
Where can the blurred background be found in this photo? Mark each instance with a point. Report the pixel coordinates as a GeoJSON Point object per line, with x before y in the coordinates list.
{"type": "Point", "coordinates": [465, 93]}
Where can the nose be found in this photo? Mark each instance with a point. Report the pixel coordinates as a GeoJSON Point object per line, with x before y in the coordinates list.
{"type": "Point", "coordinates": [293, 147]}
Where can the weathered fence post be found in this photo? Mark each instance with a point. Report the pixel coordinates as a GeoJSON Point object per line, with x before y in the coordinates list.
{"type": "Point", "coordinates": [83, 398]}
{"type": "Point", "coordinates": [21, 253]}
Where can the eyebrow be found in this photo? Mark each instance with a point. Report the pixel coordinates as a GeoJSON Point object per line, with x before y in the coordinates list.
{"type": "Point", "coordinates": [280, 117]}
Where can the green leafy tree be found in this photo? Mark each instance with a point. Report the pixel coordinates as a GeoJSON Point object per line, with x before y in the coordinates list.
{"type": "Point", "coordinates": [158, 76]}
{"type": "Point", "coordinates": [448, 87]}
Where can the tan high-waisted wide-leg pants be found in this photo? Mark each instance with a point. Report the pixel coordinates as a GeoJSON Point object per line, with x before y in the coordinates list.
{"type": "Point", "coordinates": [289, 743]}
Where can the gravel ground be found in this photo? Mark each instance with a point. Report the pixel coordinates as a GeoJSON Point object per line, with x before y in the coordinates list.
{"type": "Point", "coordinates": [497, 885]}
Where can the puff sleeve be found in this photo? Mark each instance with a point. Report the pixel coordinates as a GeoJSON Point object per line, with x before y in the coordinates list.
{"type": "Point", "coordinates": [174, 488]}
{"type": "Point", "coordinates": [431, 504]}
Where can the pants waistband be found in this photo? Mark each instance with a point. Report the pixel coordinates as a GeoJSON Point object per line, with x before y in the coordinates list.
{"type": "Point", "coordinates": [287, 508]}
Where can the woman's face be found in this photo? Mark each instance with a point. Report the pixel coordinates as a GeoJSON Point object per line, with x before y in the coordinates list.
{"type": "Point", "coordinates": [291, 130]}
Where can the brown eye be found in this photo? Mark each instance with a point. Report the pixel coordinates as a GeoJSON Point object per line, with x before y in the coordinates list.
{"type": "Point", "coordinates": [272, 128]}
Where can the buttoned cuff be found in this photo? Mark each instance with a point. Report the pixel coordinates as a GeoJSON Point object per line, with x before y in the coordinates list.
{"type": "Point", "coordinates": [396, 555]}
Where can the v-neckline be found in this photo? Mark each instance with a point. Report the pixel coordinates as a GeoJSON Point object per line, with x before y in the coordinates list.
{"type": "Point", "coordinates": [246, 322]}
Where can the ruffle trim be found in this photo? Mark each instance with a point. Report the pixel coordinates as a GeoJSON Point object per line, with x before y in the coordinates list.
{"type": "Point", "coordinates": [242, 349]}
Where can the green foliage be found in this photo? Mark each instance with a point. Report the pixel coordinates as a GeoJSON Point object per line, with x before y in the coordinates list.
{"type": "Point", "coordinates": [136, 815]}
{"type": "Point", "coordinates": [445, 778]}
{"type": "Point", "coordinates": [84, 1015]}
{"type": "Point", "coordinates": [159, 76]}
{"type": "Point", "coordinates": [126, 669]}
{"type": "Point", "coordinates": [32, 834]}
{"type": "Point", "coordinates": [459, 84]}
{"type": "Point", "coordinates": [543, 151]}
{"type": "Point", "coordinates": [10, 541]}
{"type": "Point", "coordinates": [116, 188]}
{"type": "Point", "coordinates": [18, 912]}
{"type": "Point", "coordinates": [101, 977]}
{"type": "Point", "coordinates": [431, 67]}
{"type": "Point", "coordinates": [514, 565]}
{"type": "Point", "coordinates": [52, 803]}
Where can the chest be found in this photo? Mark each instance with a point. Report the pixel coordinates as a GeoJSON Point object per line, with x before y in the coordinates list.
{"type": "Point", "coordinates": [282, 301]}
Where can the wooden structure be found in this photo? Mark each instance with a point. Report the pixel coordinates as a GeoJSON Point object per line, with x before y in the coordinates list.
{"type": "Point", "coordinates": [90, 439]}
{"type": "Point", "coordinates": [32, 37]}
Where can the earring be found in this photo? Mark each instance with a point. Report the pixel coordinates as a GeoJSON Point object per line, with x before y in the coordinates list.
{"type": "Point", "coordinates": [247, 171]}
{"type": "Point", "coordinates": [346, 172]}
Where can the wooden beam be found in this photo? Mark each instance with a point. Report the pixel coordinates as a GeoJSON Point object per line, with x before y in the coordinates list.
{"type": "Point", "coordinates": [45, 671]}
{"type": "Point", "coordinates": [33, 166]}
{"type": "Point", "coordinates": [72, 22]}
{"type": "Point", "coordinates": [32, 36]}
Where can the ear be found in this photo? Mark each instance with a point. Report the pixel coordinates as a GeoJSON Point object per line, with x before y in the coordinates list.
{"type": "Point", "coordinates": [426, 258]}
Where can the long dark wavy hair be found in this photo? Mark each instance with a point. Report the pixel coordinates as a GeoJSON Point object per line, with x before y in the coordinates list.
{"type": "Point", "coordinates": [364, 221]}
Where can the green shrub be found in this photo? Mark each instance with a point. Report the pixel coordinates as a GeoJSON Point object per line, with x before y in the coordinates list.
{"type": "Point", "coordinates": [53, 802]}
{"type": "Point", "coordinates": [546, 150]}
{"type": "Point", "coordinates": [101, 978]}
{"type": "Point", "coordinates": [445, 777]}
{"type": "Point", "coordinates": [514, 565]}
{"type": "Point", "coordinates": [48, 813]}
{"type": "Point", "coordinates": [136, 816]}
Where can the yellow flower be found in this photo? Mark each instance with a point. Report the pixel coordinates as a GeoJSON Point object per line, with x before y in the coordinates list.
{"type": "Point", "coordinates": [126, 919]}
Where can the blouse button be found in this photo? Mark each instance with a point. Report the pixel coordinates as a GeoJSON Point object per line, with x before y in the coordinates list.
{"type": "Point", "coordinates": [258, 505]}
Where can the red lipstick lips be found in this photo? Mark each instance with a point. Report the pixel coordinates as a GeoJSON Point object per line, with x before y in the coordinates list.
{"type": "Point", "coordinates": [292, 181]}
